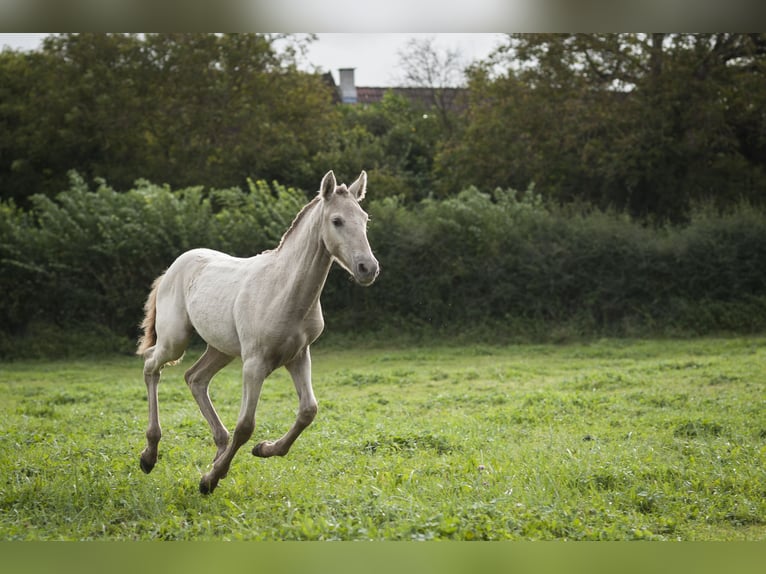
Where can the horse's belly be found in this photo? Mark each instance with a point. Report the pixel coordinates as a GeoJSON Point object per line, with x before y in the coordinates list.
{"type": "Point", "coordinates": [217, 330]}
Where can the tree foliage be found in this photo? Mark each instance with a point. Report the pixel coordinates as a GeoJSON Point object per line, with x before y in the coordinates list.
{"type": "Point", "coordinates": [643, 157]}
{"type": "Point", "coordinates": [646, 123]}
{"type": "Point", "coordinates": [395, 141]}
{"type": "Point", "coordinates": [649, 123]}
{"type": "Point", "coordinates": [187, 109]}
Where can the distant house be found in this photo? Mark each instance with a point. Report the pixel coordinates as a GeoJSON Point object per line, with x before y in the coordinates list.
{"type": "Point", "coordinates": [452, 99]}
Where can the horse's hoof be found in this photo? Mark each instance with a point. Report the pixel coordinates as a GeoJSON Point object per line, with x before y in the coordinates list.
{"type": "Point", "coordinates": [146, 466]}
{"type": "Point", "coordinates": [207, 486]}
{"type": "Point", "coordinates": [259, 449]}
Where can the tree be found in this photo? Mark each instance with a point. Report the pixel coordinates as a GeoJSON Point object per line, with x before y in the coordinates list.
{"type": "Point", "coordinates": [424, 65]}
{"type": "Point", "coordinates": [185, 109]}
{"type": "Point", "coordinates": [394, 140]}
{"type": "Point", "coordinates": [20, 142]}
{"type": "Point", "coordinates": [644, 122]}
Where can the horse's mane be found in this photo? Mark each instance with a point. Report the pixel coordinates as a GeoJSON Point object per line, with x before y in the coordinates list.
{"type": "Point", "coordinates": [298, 218]}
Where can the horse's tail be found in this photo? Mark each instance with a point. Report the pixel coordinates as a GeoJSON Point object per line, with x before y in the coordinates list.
{"type": "Point", "coordinates": [149, 338]}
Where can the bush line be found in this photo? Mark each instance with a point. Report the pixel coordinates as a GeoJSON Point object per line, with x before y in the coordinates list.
{"type": "Point", "coordinates": [501, 265]}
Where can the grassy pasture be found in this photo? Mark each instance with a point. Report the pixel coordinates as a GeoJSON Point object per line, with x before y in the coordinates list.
{"type": "Point", "coordinates": [609, 440]}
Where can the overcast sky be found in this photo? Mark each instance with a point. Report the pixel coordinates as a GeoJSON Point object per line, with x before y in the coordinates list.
{"type": "Point", "coordinates": [374, 56]}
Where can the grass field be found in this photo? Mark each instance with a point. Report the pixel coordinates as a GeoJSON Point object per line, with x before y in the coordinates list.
{"type": "Point", "coordinates": [611, 440]}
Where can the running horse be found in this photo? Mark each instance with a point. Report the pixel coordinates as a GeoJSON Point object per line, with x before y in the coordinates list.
{"type": "Point", "coordinates": [264, 309]}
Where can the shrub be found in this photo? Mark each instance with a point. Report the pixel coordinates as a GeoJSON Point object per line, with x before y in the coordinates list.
{"type": "Point", "coordinates": [89, 257]}
{"type": "Point", "coordinates": [475, 265]}
{"type": "Point", "coordinates": [505, 263]}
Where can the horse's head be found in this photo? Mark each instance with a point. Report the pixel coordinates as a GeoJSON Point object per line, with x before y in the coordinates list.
{"type": "Point", "coordinates": [344, 227]}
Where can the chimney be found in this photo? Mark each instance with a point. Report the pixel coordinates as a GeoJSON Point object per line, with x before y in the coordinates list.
{"type": "Point", "coordinates": [347, 87]}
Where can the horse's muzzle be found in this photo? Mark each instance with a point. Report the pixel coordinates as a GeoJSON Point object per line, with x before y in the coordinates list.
{"type": "Point", "coordinates": [366, 271]}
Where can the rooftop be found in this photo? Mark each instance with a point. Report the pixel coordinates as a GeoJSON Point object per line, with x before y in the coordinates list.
{"type": "Point", "coordinates": [349, 93]}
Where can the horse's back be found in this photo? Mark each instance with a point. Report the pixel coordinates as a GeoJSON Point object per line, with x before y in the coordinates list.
{"type": "Point", "coordinates": [202, 266]}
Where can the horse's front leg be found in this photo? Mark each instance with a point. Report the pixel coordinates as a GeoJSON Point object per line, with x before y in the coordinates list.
{"type": "Point", "coordinates": [300, 370]}
{"type": "Point", "coordinates": [253, 375]}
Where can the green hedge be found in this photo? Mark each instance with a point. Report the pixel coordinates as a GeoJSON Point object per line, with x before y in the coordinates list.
{"type": "Point", "coordinates": [86, 261]}
{"type": "Point", "coordinates": [507, 265]}
{"type": "Point", "coordinates": [478, 265]}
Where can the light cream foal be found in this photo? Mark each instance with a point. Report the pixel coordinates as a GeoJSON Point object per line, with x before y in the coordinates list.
{"type": "Point", "coordinates": [264, 309]}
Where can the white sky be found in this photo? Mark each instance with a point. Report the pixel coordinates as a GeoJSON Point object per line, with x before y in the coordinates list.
{"type": "Point", "coordinates": [24, 41]}
{"type": "Point", "coordinates": [375, 56]}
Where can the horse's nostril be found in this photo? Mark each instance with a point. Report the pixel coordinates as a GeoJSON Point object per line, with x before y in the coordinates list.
{"type": "Point", "coordinates": [366, 272]}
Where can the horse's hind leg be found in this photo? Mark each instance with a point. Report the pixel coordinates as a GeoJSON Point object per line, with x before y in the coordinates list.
{"type": "Point", "coordinates": [198, 378]}
{"type": "Point", "coordinates": [154, 359]}
{"type": "Point", "coordinates": [152, 372]}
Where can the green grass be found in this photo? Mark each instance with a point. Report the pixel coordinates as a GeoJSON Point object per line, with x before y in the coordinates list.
{"type": "Point", "coordinates": [612, 440]}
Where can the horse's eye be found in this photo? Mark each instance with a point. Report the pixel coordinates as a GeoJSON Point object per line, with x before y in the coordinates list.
{"type": "Point", "coordinates": [337, 222]}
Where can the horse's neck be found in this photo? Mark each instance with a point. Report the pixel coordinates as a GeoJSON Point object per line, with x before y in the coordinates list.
{"type": "Point", "coordinates": [304, 261]}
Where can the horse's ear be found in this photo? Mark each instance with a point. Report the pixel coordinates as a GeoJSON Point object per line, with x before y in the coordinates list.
{"type": "Point", "coordinates": [359, 187]}
{"type": "Point", "coordinates": [328, 185]}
